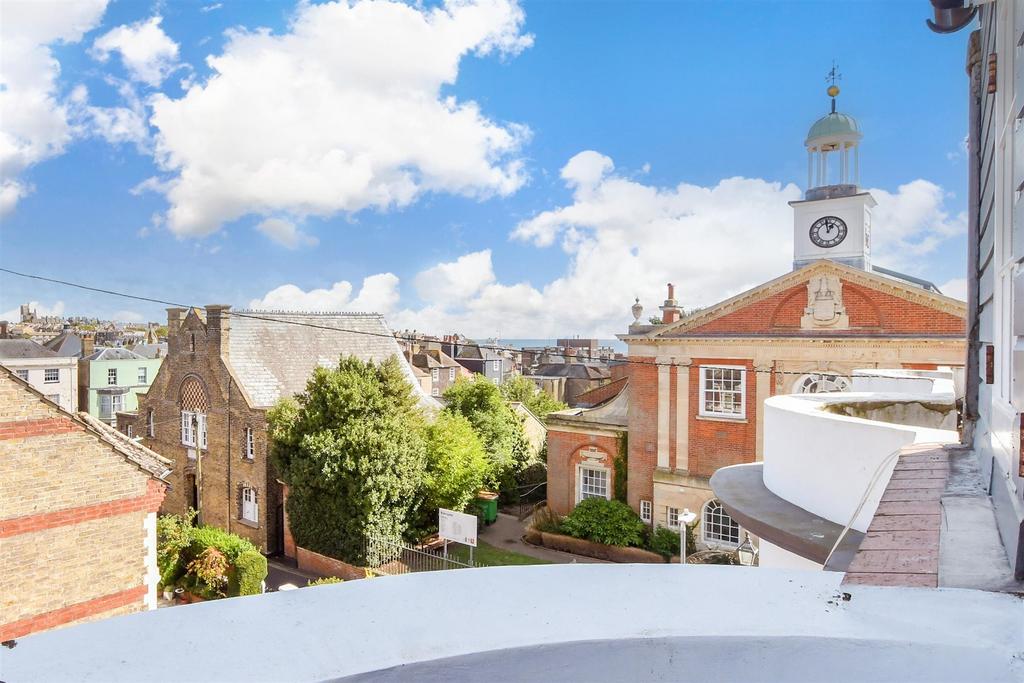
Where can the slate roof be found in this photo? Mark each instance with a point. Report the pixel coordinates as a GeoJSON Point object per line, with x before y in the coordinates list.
{"type": "Point", "coordinates": [158, 350]}
{"type": "Point", "coordinates": [24, 348]}
{"type": "Point", "coordinates": [572, 371]}
{"type": "Point", "coordinates": [612, 413]}
{"type": "Point", "coordinates": [113, 353]}
{"type": "Point", "coordinates": [65, 344]}
{"type": "Point", "coordinates": [273, 357]}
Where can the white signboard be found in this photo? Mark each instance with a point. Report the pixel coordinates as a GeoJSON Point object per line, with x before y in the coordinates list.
{"type": "Point", "coordinates": [457, 526]}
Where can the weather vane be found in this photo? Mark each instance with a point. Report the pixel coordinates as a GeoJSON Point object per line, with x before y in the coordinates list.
{"type": "Point", "coordinates": [833, 77]}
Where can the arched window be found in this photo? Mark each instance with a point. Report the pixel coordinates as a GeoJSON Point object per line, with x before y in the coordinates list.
{"type": "Point", "coordinates": [194, 408]}
{"type": "Point", "coordinates": [820, 383]}
{"type": "Point", "coordinates": [717, 527]}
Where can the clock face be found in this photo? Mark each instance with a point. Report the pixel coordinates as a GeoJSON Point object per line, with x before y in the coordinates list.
{"type": "Point", "coordinates": [828, 232]}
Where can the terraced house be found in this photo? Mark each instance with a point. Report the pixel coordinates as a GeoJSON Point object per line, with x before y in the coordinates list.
{"type": "Point", "coordinates": [206, 409]}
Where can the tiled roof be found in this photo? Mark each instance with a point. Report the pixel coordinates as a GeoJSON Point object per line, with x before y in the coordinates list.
{"type": "Point", "coordinates": [272, 356]}
{"type": "Point", "coordinates": [611, 413]}
{"type": "Point", "coordinates": [158, 350]}
{"type": "Point", "coordinates": [24, 348]}
{"type": "Point", "coordinates": [147, 460]}
{"type": "Point", "coordinates": [601, 394]}
{"type": "Point", "coordinates": [572, 371]}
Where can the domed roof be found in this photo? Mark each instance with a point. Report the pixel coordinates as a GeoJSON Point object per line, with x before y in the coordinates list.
{"type": "Point", "coordinates": [835, 124]}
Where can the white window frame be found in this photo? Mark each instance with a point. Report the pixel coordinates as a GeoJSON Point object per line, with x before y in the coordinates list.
{"type": "Point", "coordinates": [451, 374]}
{"type": "Point", "coordinates": [835, 381]}
{"type": "Point", "coordinates": [187, 437]}
{"type": "Point", "coordinates": [496, 365]}
{"type": "Point", "coordinates": [54, 397]}
{"type": "Point", "coordinates": [604, 473]}
{"type": "Point", "coordinates": [250, 505]}
{"type": "Point", "coordinates": [116, 404]}
{"type": "Point", "coordinates": [143, 375]}
{"type": "Point", "coordinates": [111, 376]}
{"type": "Point", "coordinates": [435, 375]}
{"type": "Point", "coordinates": [129, 431]}
{"type": "Point", "coordinates": [672, 517]}
{"type": "Point", "coordinates": [55, 376]}
{"type": "Point", "coordinates": [646, 511]}
{"type": "Point", "coordinates": [250, 444]}
{"type": "Point", "coordinates": [434, 391]}
{"type": "Point", "coordinates": [704, 377]}
{"type": "Point", "coordinates": [713, 538]}
{"type": "Point", "coordinates": [23, 374]}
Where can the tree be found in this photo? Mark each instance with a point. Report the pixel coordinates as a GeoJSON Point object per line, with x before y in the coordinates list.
{"type": "Point", "coordinates": [457, 466]}
{"type": "Point", "coordinates": [352, 451]}
{"type": "Point", "coordinates": [540, 403]}
{"type": "Point", "coordinates": [480, 401]}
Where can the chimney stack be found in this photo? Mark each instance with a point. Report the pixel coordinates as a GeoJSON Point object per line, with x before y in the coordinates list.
{"type": "Point", "coordinates": [3, 329]}
{"type": "Point", "coordinates": [670, 311]}
{"type": "Point", "coordinates": [218, 325]}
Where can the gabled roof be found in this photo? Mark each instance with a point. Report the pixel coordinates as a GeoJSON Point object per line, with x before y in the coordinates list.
{"type": "Point", "coordinates": [599, 395]}
{"type": "Point", "coordinates": [158, 350]}
{"type": "Point", "coordinates": [24, 348]}
{"type": "Point", "coordinates": [150, 462]}
{"type": "Point", "coordinates": [870, 280]}
{"type": "Point", "coordinates": [274, 353]}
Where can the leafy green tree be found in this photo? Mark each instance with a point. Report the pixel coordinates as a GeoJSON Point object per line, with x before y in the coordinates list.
{"type": "Point", "coordinates": [457, 466]}
{"type": "Point", "coordinates": [352, 451]}
{"type": "Point", "coordinates": [480, 401]}
{"type": "Point", "coordinates": [540, 403]}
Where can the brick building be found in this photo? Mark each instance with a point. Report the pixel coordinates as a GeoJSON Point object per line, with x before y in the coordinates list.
{"type": "Point", "coordinates": [78, 504]}
{"type": "Point", "coordinates": [222, 372]}
{"type": "Point", "coordinates": [697, 383]}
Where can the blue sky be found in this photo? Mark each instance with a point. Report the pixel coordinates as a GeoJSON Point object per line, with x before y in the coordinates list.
{"type": "Point", "coordinates": [436, 170]}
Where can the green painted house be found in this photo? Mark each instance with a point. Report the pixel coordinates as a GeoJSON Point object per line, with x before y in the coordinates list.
{"type": "Point", "coordinates": [110, 379]}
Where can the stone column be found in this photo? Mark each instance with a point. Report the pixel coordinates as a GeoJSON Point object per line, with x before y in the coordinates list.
{"type": "Point", "coordinates": [664, 397]}
{"type": "Point", "coordinates": [762, 370]}
{"type": "Point", "coordinates": [683, 414]}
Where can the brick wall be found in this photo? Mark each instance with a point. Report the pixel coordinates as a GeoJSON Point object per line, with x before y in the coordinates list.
{"type": "Point", "coordinates": [225, 469]}
{"type": "Point", "coordinates": [643, 429]}
{"type": "Point", "coordinates": [315, 563]}
{"type": "Point", "coordinates": [870, 311]}
{"type": "Point", "coordinates": [565, 452]}
{"type": "Point", "coordinates": [73, 538]}
{"type": "Point", "coordinates": [719, 442]}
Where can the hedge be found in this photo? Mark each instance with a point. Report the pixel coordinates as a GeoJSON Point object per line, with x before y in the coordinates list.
{"type": "Point", "coordinates": [605, 521]}
{"type": "Point", "coordinates": [179, 543]}
{"type": "Point", "coordinates": [251, 569]}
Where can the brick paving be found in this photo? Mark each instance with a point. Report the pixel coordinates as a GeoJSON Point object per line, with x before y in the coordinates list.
{"type": "Point", "coordinates": [901, 547]}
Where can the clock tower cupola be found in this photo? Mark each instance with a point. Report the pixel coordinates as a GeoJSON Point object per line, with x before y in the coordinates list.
{"type": "Point", "coordinates": [833, 220]}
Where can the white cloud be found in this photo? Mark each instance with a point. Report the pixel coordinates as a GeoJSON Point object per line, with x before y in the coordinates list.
{"type": "Point", "coordinates": [342, 112]}
{"type": "Point", "coordinates": [116, 125]}
{"type": "Point", "coordinates": [623, 238]}
{"type": "Point", "coordinates": [148, 53]}
{"type": "Point", "coordinates": [211, 7]}
{"type": "Point", "coordinates": [911, 223]}
{"type": "Point", "coordinates": [14, 315]}
{"type": "Point", "coordinates": [379, 294]}
{"type": "Point", "coordinates": [286, 233]}
{"type": "Point", "coordinates": [35, 120]}
{"type": "Point", "coordinates": [956, 288]}
{"type": "Point", "coordinates": [464, 277]}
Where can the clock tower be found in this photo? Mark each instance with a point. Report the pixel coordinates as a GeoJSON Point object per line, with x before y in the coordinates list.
{"type": "Point", "coordinates": [833, 220]}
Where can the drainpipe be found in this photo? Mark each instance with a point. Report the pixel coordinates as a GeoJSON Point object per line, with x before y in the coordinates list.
{"type": "Point", "coordinates": [974, 156]}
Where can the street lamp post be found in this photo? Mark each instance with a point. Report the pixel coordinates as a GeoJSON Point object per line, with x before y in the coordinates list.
{"type": "Point", "coordinates": [685, 520]}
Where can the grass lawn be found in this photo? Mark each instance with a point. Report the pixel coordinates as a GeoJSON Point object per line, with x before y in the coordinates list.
{"type": "Point", "coordinates": [491, 556]}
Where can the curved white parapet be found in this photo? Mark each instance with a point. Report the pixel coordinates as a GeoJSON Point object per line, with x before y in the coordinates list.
{"type": "Point", "coordinates": [903, 381]}
{"type": "Point", "coordinates": [826, 462]}
{"type": "Point", "coordinates": [558, 622]}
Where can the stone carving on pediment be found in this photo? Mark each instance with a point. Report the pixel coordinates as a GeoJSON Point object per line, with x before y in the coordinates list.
{"type": "Point", "coordinates": [825, 307]}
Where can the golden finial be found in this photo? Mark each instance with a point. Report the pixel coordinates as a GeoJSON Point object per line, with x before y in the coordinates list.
{"type": "Point", "coordinates": [833, 77]}
{"type": "Point", "coordinates": [833, 90]}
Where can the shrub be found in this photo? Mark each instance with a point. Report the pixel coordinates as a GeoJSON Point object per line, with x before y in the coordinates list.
{"type": "Point", "coordinates": [546, 519]}
{"type": "Point", "coordinates": [605, 521]}
{"type": "Point", "coordinates": [174, 535]}
{"type": "Point", "coordinates": [250, 569]}
{"type": "Point", "coordinates": [210, 572]}
{"type": "Point", "coordinates": [325, 580]}
{"type": "Point", "coordinates": [665, 542]}
{"type": "Point", "coordinates": [211, 537]}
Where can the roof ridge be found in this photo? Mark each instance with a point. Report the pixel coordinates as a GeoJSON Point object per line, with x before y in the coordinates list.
{"type": "Point", "coordinates": [275, 311]}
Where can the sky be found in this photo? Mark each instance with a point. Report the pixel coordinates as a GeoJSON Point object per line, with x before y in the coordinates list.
{"type": "Point", "coordinates": [495, 168]}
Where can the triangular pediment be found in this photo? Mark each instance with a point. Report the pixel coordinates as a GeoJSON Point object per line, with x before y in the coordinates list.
{"type": "Point", "coordinates": [773, 291]}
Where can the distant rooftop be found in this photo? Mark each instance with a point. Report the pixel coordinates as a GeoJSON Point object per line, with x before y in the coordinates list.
{"type": "Point", "coordinates": [24, 348]}
{"type": "Point", "coordinates": [113, 353]}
